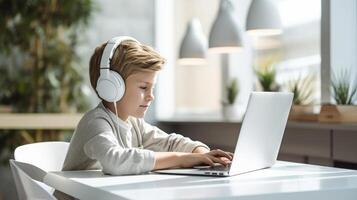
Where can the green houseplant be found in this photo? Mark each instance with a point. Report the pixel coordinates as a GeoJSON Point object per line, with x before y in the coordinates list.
{"type": "Point", "coordinates": [231, 95]}
{"type": "Point", "coordinates": [344, 94]}
{"type": "Point", "coordinates": [38, 61]}
{"type": "Point", "coordinates": [265, 73]}
{"type": "Point", "coordinates": [303, 108]}
{"type": "Point", "coordinates": [303, 89]}
{"type": "Point", "coordinates": [343, 91]}
{"type": "Point", "coordinates": [232, 92]}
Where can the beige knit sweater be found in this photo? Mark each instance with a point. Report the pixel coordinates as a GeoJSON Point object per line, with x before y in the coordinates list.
{"type": "Point", "coordinates": [104, 141]}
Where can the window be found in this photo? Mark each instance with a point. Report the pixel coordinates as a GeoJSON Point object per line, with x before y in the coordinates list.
{"type": "Point", "coordinates": [196, 89]}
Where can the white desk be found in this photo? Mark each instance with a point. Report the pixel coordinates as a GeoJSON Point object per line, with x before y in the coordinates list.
{"type": "Point", "coordinates": [285, 180]}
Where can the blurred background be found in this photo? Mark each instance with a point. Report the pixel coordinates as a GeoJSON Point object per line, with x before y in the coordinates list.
{"type": "Point", "coordinates": [217, 51]}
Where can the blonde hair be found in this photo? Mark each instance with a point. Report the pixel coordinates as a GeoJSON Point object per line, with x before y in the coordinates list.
{"type": "Point", "coordinates": [129, 57]}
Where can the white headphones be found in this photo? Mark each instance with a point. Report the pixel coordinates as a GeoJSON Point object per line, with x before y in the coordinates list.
{"type": "Point", "coordinates": [110, 85]}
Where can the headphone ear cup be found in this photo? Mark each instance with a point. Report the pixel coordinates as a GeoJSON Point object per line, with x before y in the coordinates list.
{"type": "Point", "coordinates": [111, 88]}
{"type": "Point", "coordinates": [120, 84]}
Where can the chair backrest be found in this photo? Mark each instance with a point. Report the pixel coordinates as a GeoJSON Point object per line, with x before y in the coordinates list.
{"type": "Point", "coordinates": [48, 156]}
{"type": "Point", "coordinates": [28, 180]}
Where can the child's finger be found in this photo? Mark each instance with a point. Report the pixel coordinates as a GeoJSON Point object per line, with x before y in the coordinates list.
{"type": "Point", "coordinates": [218, 160]}
{"type": "Point", "coordinates": [225, 159]}
{"type": "Point", "coordinates": [231, 154]}
{"type": "Point", "coordinates": [220, 153]}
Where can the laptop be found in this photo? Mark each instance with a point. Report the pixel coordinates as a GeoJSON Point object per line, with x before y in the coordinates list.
{"type": "Point", "coordinates": [259, 138]}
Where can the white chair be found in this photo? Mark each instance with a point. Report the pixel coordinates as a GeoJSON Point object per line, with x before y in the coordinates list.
{"type": "Point", "coordinates": [28, 180]}
{"type": "Point", "coordinates": [48, 156]}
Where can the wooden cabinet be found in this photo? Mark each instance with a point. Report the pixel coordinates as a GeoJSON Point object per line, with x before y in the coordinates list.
{"type": "Point", "coordinates": [345, 146]}
{"type": "Point", "coordinates": [306, 142]}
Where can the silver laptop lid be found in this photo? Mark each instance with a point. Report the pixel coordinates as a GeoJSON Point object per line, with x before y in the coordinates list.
{"type": "Point", "coordinates": [262, 131]}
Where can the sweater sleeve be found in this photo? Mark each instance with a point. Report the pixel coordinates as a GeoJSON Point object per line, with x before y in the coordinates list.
{"type": "Point", "coordinates": [116, 160]}
{"type": "Point", "coordinates": [158, 140]}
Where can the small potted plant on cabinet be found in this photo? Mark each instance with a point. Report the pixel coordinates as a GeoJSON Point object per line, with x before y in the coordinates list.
{"type": "Point", "coordinates": [303, 107]}
{"type": "Point", "coordinates": [228, 110]}
{"type": "Point", "coordinates": [345, 96]}
{"type": "Point", "coordinates": [265, 73]}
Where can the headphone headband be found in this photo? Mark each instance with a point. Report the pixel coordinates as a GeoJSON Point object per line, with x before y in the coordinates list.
{"type": "Point", "coordinates": [109, 49]}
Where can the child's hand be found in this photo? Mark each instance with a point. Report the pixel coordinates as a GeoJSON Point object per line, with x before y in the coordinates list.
{"type": "Point", "coordinates": [225, 158]}
{"type": "Point", "coordinates": [214, 156]}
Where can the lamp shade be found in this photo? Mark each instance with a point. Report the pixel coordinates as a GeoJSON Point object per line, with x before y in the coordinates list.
{"type": "Point", "coordinates": [263, 19]}
{"type": "Point", "coordinates": [225, 34]}
{"type": "Point", "coordinates": [194, 45]}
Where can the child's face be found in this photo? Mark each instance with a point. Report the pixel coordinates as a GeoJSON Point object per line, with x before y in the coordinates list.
{"type": "Point", "coordinates": [138, 94]}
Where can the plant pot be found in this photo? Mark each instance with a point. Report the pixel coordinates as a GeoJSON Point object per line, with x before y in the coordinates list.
{"type": "Point", "coordinates": [304, 113]}
{"type": "Point", "coordinates": [229, 112]}
{"type": "Point", "coordinates": [338, 113]}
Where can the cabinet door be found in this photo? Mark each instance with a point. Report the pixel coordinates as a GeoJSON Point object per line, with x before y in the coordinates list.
{"type": "Point", "coordinates": [307, 142]}
{"type": "Point", "coordinates": [345, 146]}
{"type": "Point", "coordinates": [215, 135]}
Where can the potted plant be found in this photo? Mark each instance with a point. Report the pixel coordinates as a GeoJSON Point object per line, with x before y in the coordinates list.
{"type": "Point", "coordinates": [265, 73]}
{"type": "Point", "coordinates": [228, 110]}
{"type": "Point", "coordinates": [345, 96]}
{"type": "Point", "coordinates": [303, 107]}
{"type": "Point", "coordinates": [344, 93]}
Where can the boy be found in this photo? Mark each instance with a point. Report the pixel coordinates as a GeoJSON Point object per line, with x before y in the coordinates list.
{"type": "Point", "coordinates": [114, 136]}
